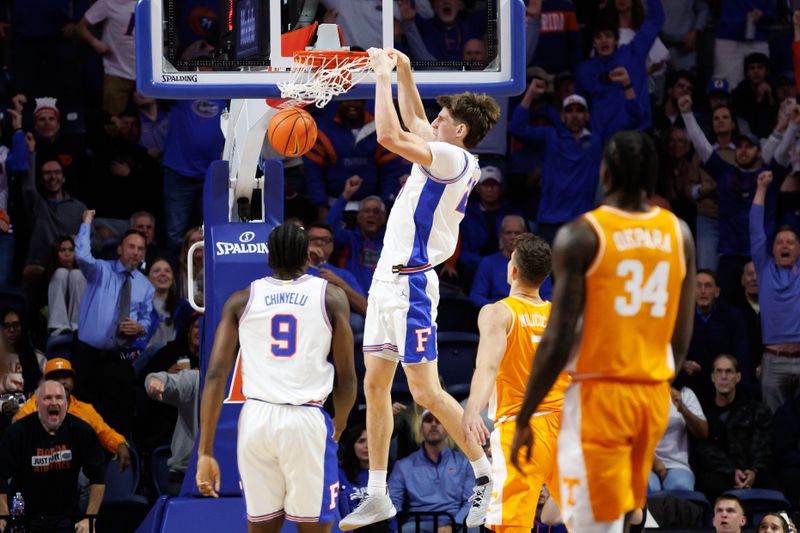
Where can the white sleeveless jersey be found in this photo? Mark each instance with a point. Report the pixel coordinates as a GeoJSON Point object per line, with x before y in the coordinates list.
{"type": "Point", "coordinates": [423, 225]}
{"type": "Point", "coordinates": [285, 337]}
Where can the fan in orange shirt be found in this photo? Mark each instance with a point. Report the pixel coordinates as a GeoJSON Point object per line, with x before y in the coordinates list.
{"type": "Point", "coordinates": [510, 331]}
{"type": "Point", "coordinates": [627, 271]}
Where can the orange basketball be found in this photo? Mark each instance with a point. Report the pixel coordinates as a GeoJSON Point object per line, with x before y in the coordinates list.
{"type": "Point", "coordinates": [292, 131]}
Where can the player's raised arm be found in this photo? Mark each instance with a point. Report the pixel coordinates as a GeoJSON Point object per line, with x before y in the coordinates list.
{"type": "Point", "coordinates": [387, 124]}
{"type": "Point", "coordinates": [344, 392]}
{"type": "Point", "coordinates": [573, 251]}
{"type": "Point", "coordinates": [411, 109]}
{"type": "Point", "coordinates": [684, 322]}
{"type": "Point", "coordinates": [223, 355]}
{"type": "Point", "coordinates": [493, 322]}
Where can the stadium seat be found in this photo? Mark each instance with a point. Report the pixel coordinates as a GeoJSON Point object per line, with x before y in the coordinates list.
{"type": "Point", "coordinates": [11, 297]}
{"type": "Point", "coordinates": [757, 502]}
{"type": "Point", "coordinates": [671, 515]}
{"type": "Point", "coordinates": [59, 346]}
{"type": "Point", "coordinates": [457, 352]}
{"type": "Point", "coordinates": [456, 313]}
{"type": "Point", "coordinates": [140, 363]}
{"type": "Point", "coordinates": [122, 509]}
{"type": "Point", "coordinates": [160, 470]}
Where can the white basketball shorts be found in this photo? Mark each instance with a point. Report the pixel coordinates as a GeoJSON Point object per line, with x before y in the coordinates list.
{"type": "Point", "coordinates": [287, 462]}
{"type": "Point", "coordinates": [401, 318]}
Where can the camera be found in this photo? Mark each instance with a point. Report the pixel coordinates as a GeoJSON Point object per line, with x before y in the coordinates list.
{"type": "Point", "coordinates": [17, 397]}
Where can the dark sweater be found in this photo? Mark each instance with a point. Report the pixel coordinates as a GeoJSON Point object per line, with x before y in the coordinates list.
{"type": "Point", "coordinates": [739, 436]}
{"type": "Point", "coordinates": [721, 331]}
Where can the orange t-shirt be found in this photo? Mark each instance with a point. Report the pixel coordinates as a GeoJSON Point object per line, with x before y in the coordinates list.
{"type": "Point", "coordinates": [528, 323]}
{"type": "Point", "coordinates": [633, 288]}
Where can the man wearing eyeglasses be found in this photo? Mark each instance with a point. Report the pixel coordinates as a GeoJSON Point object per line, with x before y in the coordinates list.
{"type": "Point", "coordinates": [361, 246]}
{"type": "Point", "coordinates": [738, 449]}
{"type": "Point", "coordinates": [320, 248]}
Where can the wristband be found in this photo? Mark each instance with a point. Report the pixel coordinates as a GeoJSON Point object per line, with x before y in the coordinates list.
{"type": "Point", "coordinates": [626, 87]}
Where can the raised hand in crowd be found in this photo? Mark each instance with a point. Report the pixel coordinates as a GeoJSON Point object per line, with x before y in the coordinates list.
{"type": "Point", "coordinates": [88, 216]}
{"type": "Point", "coordinates": [685, 104]}
{"type": "Point", "coordinates": [351, 186]}
{"type": "Point", "coordinates": [536, 89]}
{"type": "Point", "coordinates": [19, 101]}
{"type": "Point", "coordinates": [16, 119]}
{"type": "Point", "coordinates": [407, 10]}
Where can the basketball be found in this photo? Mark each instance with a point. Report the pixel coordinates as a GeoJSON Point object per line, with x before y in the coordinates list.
{"type": "Point", "coordinates": [292, 132]}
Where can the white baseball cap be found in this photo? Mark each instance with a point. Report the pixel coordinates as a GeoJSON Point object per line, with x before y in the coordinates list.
{"type": "Point", "coordinates": [574, 99]}
{"type": "Point", "coordinates": [491, 172]}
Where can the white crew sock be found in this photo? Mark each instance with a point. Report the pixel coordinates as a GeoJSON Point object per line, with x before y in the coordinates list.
{"type": "Point", "coordinates": [482, 467]}
{"type": "Point", "coordinates": [376, 485]}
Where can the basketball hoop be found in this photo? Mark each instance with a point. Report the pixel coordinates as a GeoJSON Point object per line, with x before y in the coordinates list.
{"type": "Point", "coordinates": [319, 75]}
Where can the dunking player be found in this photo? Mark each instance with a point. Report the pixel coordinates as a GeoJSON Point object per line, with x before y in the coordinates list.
{"type": "Point", "coordinates": [421, 233]}
{"type": "Point", "coordinates": [286, 325]}
{"type": "Point", "coordinates": [510, 332]}
{"type": "Point", "coordinates": [627, 270]}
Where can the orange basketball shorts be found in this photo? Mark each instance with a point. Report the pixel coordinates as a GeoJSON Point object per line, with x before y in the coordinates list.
{"type": "Point", "coordinates": [606, 447]}
{"type": "Point", "coordinates": [516, 494]}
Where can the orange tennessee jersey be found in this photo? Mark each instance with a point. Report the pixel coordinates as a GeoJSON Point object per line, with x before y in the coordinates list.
{"type": "Point", "coordinates": [633, 288]}
{"type": "Point", "coordinates": [528, 321]}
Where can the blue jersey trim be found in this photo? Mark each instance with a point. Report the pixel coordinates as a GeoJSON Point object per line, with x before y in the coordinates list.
{"type": "Point", "coordinates": [447, 181]}
{"type": "Point", "coordinates": [420, 341]}
{"type": "Point", "coordinates": [424, 212]}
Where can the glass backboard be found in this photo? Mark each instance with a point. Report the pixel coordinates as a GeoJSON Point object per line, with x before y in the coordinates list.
{"type": "Point", "coordinates": [233, 48]}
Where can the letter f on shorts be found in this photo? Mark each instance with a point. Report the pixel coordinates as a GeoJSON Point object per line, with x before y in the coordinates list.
{"type": "Point", "coordinates": [422, 338]}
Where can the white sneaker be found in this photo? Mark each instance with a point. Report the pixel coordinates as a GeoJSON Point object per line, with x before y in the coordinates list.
{"type": "Point", "coordinates": [371, 509]}
{"type": "Point", "coordinates": [479, 502]}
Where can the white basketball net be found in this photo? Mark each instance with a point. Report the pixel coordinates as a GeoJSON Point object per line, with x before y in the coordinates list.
{"type": "Point", "coordinates": [316, 78]}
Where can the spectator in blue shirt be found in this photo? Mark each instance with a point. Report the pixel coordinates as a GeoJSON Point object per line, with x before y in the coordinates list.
{"type": "Point", "coordinates": [445, 34]}
{"type": "Point", "coordinates": [572, 153]}
{"type": "Point", "coordinates": [194, 140]}
{"type": "Point", "coordinates": [491, 280]}
{"type": "Point", "coordinates": [737, 185]}
{"type": "Point", "coordinates": [481, 224]}
{"type": "Point", "coordinates": [718, 328]}
{"type": "Point", "coordinates": [320, 248]}
{"type": "Point", "coordinates": [593, 78]}
{"type": "Point", "coordinates": [347, 146]}
{"type": "Point", "coordinates": [109, 337]}
{"type": "Point", "coordinates": [359, 248]}
{"type": "Point", "coordinates": [435, 478]}
{"type": "Point", "coordinates": [779, 299]}
{"type": "Point", "coordinates": [741, 29]}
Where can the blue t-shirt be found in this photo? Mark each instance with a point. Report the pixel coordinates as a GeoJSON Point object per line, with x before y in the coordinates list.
{"type": "Point", "coordinates": [736, 190]}
{"type": "Point", "coordinates": [194, 137]}
{"type": "Point", "coordinates": [491, 282]}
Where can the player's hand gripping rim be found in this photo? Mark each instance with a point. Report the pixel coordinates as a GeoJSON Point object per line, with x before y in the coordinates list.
{"type": "Point", "coordinates": [523, 438]}
{"type": "Point", "coordinates": [207, 477]}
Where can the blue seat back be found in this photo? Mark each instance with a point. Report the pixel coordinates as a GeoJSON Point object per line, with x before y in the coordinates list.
{"type": "Point", "coordinates": [160, 469]}
{"type": "Point", "coordinates": [122, 485]}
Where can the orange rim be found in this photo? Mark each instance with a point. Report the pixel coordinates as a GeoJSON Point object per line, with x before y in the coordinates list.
{"type": "Point", "coordinates": [318, 58]}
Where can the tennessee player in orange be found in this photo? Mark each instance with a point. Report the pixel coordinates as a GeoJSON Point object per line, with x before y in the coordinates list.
{"type": "Point", "coordinates": [626, 272]}
{"type": "Point", "coordinates": [510, 331]}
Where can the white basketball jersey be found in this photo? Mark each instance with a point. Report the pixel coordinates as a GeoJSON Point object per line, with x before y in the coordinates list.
{"type": "Point", "coordinates": [285, 338]}
{"type": "Point", "coordinates": [423, 225]}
